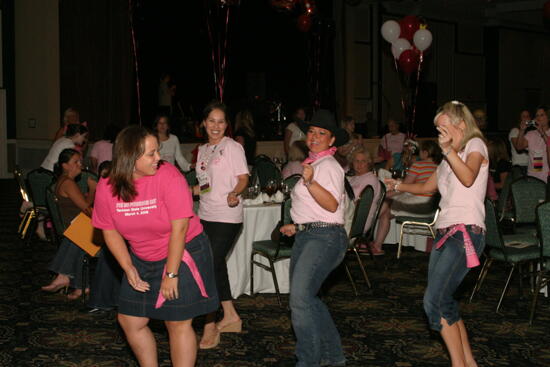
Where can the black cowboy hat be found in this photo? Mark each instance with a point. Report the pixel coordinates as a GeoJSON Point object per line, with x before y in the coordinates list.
{"type": "Point", "coordinates": [325, 120]}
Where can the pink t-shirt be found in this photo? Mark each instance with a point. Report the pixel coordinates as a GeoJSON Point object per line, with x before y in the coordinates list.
{"type": "Point", "coordinates": [393, 143]}
{"type": "Point", "coordinates": [538, 161]}
{"type": "Point", "coordinates": [226, 163]}
{"type": "Point", "coordinates": [146, 221]}
{"type": "Point", "coordinates": [328, 173]}
{"type": "Point", "coordinates": [102, 151]}
{"type": "Point", "coordinates": [292, 168]}
{"type": "Point", "coordinates": [358, 183]}
{"type": "Point", "coordinates": [461, 204]}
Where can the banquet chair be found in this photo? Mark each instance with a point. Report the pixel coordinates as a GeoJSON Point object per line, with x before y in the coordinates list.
{"type": "Point", "coordinates": [502, 207]}
{"type": "Point", "coordinates": [369, 234]}
{"type": "Point", "coordinates": [274, 250]}
{"type": "Point", "coordinates": [59, 226]}
{"type": "Point", "coordinates": [18, 176]}
{"type": "Point", "coordinates": [543, 273]}
{"type": "Point", "coordinates": [512, 249]}
{"type": "Point", "coordinates": [265, 170]}
{"type": "Point", "coordinates": [416, 226]}
{"type": "Point", "coordinates": [82, 180]}
{"type": "Point", "coordinates": [360, 216]}
{"type": "Point", "coordinates": [516, 172]}
{"type": "Point", "coordinates": [38, 180]}
{"type": "Point", "coordinates": [292, 180]}
{"type": "Point", "coordinates": [527, 193]}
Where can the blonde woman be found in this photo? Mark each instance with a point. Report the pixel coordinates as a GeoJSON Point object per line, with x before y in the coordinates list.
{"type": "Point", "coordinates": [461, 179]}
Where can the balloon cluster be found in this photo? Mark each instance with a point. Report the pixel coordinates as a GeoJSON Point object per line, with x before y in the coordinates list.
{"type": "Point", "coordinates": [401, 34]}
{"type": "Point", "coordinates": [305, 20]}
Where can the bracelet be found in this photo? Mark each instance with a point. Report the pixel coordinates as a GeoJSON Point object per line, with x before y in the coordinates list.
{"type": "Point", "coordinates": [448, 151]}
{"type": "Point", "coordinates": [233, 193]}
{"type": "Point", "coordinates": [308, 183]}
{"type": "Point", "coordinates": [395, 188]}
{"type": "Point", "coordinates": [171, 275]}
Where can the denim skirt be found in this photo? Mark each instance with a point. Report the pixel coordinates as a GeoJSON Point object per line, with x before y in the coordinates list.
{"type": "Point", "coordinates": [190, 303]}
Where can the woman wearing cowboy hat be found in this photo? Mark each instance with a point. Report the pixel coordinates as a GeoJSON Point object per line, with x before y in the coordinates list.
{"type": "Point", "coordinates": [320, 243]}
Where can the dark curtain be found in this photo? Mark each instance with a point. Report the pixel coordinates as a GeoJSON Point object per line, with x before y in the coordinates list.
{"type": "Point", "coordinates": [96, 64]}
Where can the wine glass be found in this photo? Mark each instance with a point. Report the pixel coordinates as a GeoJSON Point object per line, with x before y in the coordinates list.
{"type": "Point", "coordinates": [271, 187]}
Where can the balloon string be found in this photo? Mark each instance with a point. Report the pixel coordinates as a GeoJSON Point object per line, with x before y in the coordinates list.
{"type": "Point", "coordinates": [136, 65]}
{"type": "Point", "coordinates": [401, 89]}
{"type": "Point", "coordinates": [416, 89]}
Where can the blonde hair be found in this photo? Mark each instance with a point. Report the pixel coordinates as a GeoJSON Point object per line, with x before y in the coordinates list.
{"type": "Point", "coordinates": [366, 153]}
{"type": "Point", "coordinates": [457, 112]}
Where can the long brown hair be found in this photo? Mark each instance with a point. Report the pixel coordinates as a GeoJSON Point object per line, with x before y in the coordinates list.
{"type": "Point", "coordinates": [129, 147]}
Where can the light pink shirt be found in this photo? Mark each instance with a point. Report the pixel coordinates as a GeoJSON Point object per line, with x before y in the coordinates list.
{"type": "Point", "coordinates": [393, 143]}
{"type": "Point", "coordinates": [358, 183]}
{"type": "Point", "coordinates": [292, 168]}
{"type": "Point", "coordinates": [102, 151]}
{"type": "Point", "coordinates": [328, 173]}
{"type": "Point", "coordinates": [146, 222]}
{"type": "Point", "coordinates": [461, 204]}
{"type": "Point", "coordinates": [227, 162]}
{"type": "Point", "coordinates": [538, 161]}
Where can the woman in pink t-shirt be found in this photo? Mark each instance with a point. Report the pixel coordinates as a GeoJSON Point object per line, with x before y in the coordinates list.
{"type": "Point", "coordinates": [167, 268]}
{"type": "Point", "coordinates": [222, 173]}
{"type": "Point", "coordinates": [535, 141]}
{"type": "Point", "coordinates": [461, 179]}
{"type": "Point", "coordinates": [321, 242]}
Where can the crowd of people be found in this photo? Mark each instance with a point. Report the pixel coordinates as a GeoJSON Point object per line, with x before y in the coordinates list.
{"type": "Point", "coordinates": [163, 260]}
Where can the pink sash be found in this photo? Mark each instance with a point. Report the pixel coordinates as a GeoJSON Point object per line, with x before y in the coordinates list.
{"type": "Point", "coordinates": [188, 260]}
{"type": "Point", "coordinates": [471, 257]}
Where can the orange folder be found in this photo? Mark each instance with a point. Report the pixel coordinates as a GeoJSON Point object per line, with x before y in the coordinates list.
{"type": "Point", "coordinates": [84, 235]}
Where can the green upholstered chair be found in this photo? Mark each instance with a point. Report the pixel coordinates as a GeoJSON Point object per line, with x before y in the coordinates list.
{"type": "Point", "coordinates": [514, 250]}
{"type": "Point", "coordinates": [273, 251]}
{"type": "Point", "coordinates": [357, 231]}
{"type": "Point", "coordinates": [543, 273]}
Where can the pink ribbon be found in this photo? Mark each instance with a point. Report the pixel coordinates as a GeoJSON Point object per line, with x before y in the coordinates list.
{"type": "Point", "coordinates": [188, 260]}
{"type": "Point", "coordinates": [471, 257]}
{"type": "Point", "coordinates": [314, 156]}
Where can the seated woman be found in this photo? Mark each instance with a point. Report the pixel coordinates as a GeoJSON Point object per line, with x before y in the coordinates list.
{"type": "Point", "coordinates": [67, 262]}
{"type": "Point", "coordinates": [343, 154]}
{"type": "Point", "coordinates": [362, 164]}
{"type": "Point", "coordinates": [409, 204]}
{"type": "Point", "coordinates": [297, 152]}
{"type": "Point", "coordinates": [75, 135]}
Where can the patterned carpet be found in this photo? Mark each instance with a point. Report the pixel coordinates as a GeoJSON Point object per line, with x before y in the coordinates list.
{"type": "Point", "coordinates": [383, 327]}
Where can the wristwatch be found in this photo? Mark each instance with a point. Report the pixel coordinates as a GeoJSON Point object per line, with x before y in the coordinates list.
{"type": "Point", "coordinates": [171, 275]}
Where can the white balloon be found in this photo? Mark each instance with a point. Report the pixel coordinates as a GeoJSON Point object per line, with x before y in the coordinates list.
{"type": "Point", "coordinates": [390, 30]}
{"type": "Point", "coordinates": [422, 39]}
{"type": "Point", "coordinates": [400, 45]}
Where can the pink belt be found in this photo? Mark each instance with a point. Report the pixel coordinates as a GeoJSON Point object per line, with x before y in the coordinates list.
{"type": "Point", "coordinates": [188, 260]}
{"type": "Point", "coordinates": [471, 257]}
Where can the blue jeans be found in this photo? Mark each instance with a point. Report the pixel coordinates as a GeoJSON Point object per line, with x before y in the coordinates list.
{"type": "Point", "coordinates": [447, 269]}
{"type": "Point", "coordinates": [315, 254]}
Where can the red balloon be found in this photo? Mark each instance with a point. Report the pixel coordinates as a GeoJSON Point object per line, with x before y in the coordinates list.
{"type": "Point", "coordinates": [304, 23]}
{"type": "Point", "coordinates": [546, 10]}
{"type": "Point", "coordinates": [408, 61]}
{"type": "Point", "coordinates": [409, 25]}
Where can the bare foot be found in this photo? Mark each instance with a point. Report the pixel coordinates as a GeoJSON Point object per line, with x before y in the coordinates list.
{"type": "Point", "coordinates": [210, 337]}
{"type": "Point", "coordinates": [228, 321]}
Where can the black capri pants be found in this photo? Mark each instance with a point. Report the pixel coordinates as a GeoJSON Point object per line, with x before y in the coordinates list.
{"type": "Point", "coordinates": [222, 237]}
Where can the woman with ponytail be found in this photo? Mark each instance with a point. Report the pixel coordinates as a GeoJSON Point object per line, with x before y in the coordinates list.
{"type": "Point", "coordinates": [67, 262]}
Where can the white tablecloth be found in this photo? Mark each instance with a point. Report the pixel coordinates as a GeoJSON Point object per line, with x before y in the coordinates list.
{"type": "Point", "coordinates": [259, 222]}
{"type": "Point", "coordinates": [416, 241]}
